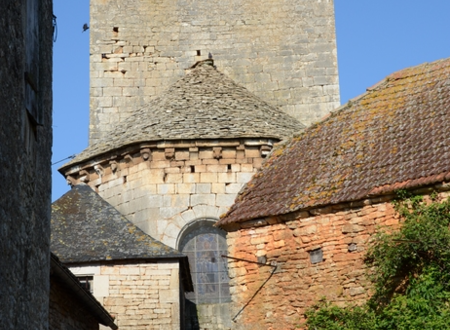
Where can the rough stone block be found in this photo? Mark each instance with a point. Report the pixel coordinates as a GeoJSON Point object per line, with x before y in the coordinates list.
{"type": "Point", "coordinates": [203, 188]}
{"type": "Point", "coordinates": [205, 154]}
{"type": "Point", "coordinates": [208, 199]}
{"type": "Point", "coordinates": [226, 177]}
{"type": "Point", "coordinates": [174, 177]}
{"type": "Point", "coordinates": [216, 168]}
{"type": "Point", "coordinates": [191, 177]}
{"type": "Point", "coordinates": [246, 167]}
{"type": "Point", "coordinates": [244, 177]}
{"type": "Point", "coordinates": [182, 155]}
{"type": "Point", "coordinates": [218, 188]}
{"type": "Point", "coordinates": [186, 188]}
{"type": "Point", "coordinates": [233, 188]}
{"type": "Point", "coordinates": [229, 153]}
{"type": "Point", "coordinates": [225, 199]}
{"type": "Point", "coordinates": [208, 177]}
{"type": "Point", "coordinates": [205, 211]}
{"type": "Point", "coordinates": [168, 188]}
{"type": "Point", "coordinates": [178, 200]}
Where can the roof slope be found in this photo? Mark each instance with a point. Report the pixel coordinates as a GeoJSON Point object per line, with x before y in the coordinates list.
{"type": "Point", "coordinates": [85, 228]}
{"type": "Point", "coordinates": [69, 280]}
{"type": "Point", "coordinates": [394, 136]}
{"type": "Point", "coordinates": [205, 104]}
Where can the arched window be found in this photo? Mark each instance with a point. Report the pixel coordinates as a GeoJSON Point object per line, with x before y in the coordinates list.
{"type": "Point", "coordinates": [204, 245]}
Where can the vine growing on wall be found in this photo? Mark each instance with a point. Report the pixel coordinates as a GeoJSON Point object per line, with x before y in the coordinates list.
{"type": "Point", "coordinates": [410, 272]}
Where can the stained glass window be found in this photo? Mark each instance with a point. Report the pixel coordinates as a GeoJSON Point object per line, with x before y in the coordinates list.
{"type": "Point", "coordinates": [204, 245]}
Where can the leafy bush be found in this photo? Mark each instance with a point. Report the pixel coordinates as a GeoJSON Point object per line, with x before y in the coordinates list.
{"type": "Point", "coordinates": [410, 272]}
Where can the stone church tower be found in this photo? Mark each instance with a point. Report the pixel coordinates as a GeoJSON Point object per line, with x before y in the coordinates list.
{"type": "Point", "coordinates": [175, 165]}
{"type": "Point", "coordinates": [172, 143]}
{"type": "Point", "coordinates": [282, 51]}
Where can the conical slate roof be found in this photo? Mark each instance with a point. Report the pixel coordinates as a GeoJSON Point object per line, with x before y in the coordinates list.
{"type": "Point", "coordinates": [205, 104]}
{"type": "Point", "coordinates": [85, 228]}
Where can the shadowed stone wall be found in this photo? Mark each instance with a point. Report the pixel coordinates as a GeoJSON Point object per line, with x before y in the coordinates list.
{"type": "Point", "coordinates": [25, 152]}
{"type": "Point", "coordinates": [67, 311]}
{"type": "Point", "coordinates": [283, 51]}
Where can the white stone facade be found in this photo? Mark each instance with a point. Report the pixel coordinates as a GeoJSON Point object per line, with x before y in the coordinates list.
{"type": "Point", "coordinates": [165, 186]}
{"type": "Point", "coordinates": [140, 296]}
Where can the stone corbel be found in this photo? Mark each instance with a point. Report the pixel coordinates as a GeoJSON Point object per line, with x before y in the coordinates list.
{"type": "Point", "coordinates": [84, 176]}
{"type": "Point", "coordinates": [71, 181]}
{"type": "Point", "coordinates": [217, 152]}
{"type": "Point", "coordinates": [114, 166]}
{"type": "Point", "coordinates": [146, 154]}
{"type": "Point", "coordinates": [99, 170]}
{"type": "Point", "coordinates": [127, 158]}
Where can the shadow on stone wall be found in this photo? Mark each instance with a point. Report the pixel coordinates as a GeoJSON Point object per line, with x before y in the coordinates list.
{"type": "Point", "coordinates": [191, 316]}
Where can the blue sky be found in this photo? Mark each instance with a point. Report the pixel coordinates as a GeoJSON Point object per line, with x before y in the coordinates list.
{"type": "Point", "coordinates": [374, 39]}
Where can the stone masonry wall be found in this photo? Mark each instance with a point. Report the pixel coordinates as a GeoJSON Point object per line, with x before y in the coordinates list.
{"type": "Point", "coordinates": [283, 51]}
{"type": "Point", "coordinates": [139, 296]}
{"type": "Point", "coordinates": [25, 154]}
{"type": "Point", "coordinates": [342, 232]}
{"type": "Point", "coordinates": [164, 186]}
{"type": "Point", "coordinates": [66, 311]}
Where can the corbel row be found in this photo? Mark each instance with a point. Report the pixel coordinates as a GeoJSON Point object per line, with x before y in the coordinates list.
{"type": "Point", "coordinates": [128, 158]}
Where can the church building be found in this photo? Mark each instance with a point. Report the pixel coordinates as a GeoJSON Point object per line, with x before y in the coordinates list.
{"type": "Point", "coordinates": [173, 167]}
{"type": "Point", "coordinates": [304, 222]}
{"type": "Point", "coordinates": [187, 99]}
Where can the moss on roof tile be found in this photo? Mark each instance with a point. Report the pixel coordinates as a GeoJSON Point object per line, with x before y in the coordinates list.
{"type": "Point", "coordinates": [205, 104]}
{"type": "Point", "coordinates": [393, 136]}
{"type": "Point", "coordinates": [85, 228]}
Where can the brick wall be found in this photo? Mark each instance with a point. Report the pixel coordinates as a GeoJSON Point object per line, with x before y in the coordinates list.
{"type": "Point", "coordinates": [25, 153]}
{"type": "Point", "coordinates": [341, 232]}
{"type": "Point", "coordinates": [163, 187]}
{"type": "Point", "coordinates": [66, 311]}
{"type": "Point", "coordinates": [284, 52]}
{"type": "Point", "coordinates": [140, 296]}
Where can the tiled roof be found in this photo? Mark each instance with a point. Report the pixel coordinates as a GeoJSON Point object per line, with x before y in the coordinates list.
{"type": "Point", "coordinates": [85, 228]}
{"type": "Point", "coordinates": [205, 104]}
{"type": "Point", "coordinates": [395, 136]}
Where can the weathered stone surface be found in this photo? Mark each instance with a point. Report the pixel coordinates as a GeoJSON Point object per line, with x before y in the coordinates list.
{"type": "Point", "coordinates": [205, 104]}
{"type": "Point", "coordinates": [298, 283]}
{"type": "Point", "coordinates": [72, 307]}
{"type": "Point", "coordinates": [285, 53]}
{"type": "Point", "coordinates": [153, 197]}
{"type": "Point", "coordinates": [329, 163]}
{"type": "Point", "coordinates": [141, 296]}
{"type": "Point", "coordinates": [25, 154]}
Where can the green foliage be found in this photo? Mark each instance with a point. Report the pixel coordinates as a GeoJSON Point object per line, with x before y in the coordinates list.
{"type": "Point", "coordinates": [410, 272]}
{"type": "Point", "coordinates": [327, 316]}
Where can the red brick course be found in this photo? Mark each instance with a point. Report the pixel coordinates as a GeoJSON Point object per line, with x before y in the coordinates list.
{"type": "Point", "coordinates": [342, 234]}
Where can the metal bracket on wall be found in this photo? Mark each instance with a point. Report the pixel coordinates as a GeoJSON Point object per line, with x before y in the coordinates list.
{"type": "Point", "coordinates": [274, 268]}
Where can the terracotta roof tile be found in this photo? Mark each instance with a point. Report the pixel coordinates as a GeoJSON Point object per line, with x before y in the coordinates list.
{"type": "Point", "coordinates": [394, 136]}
